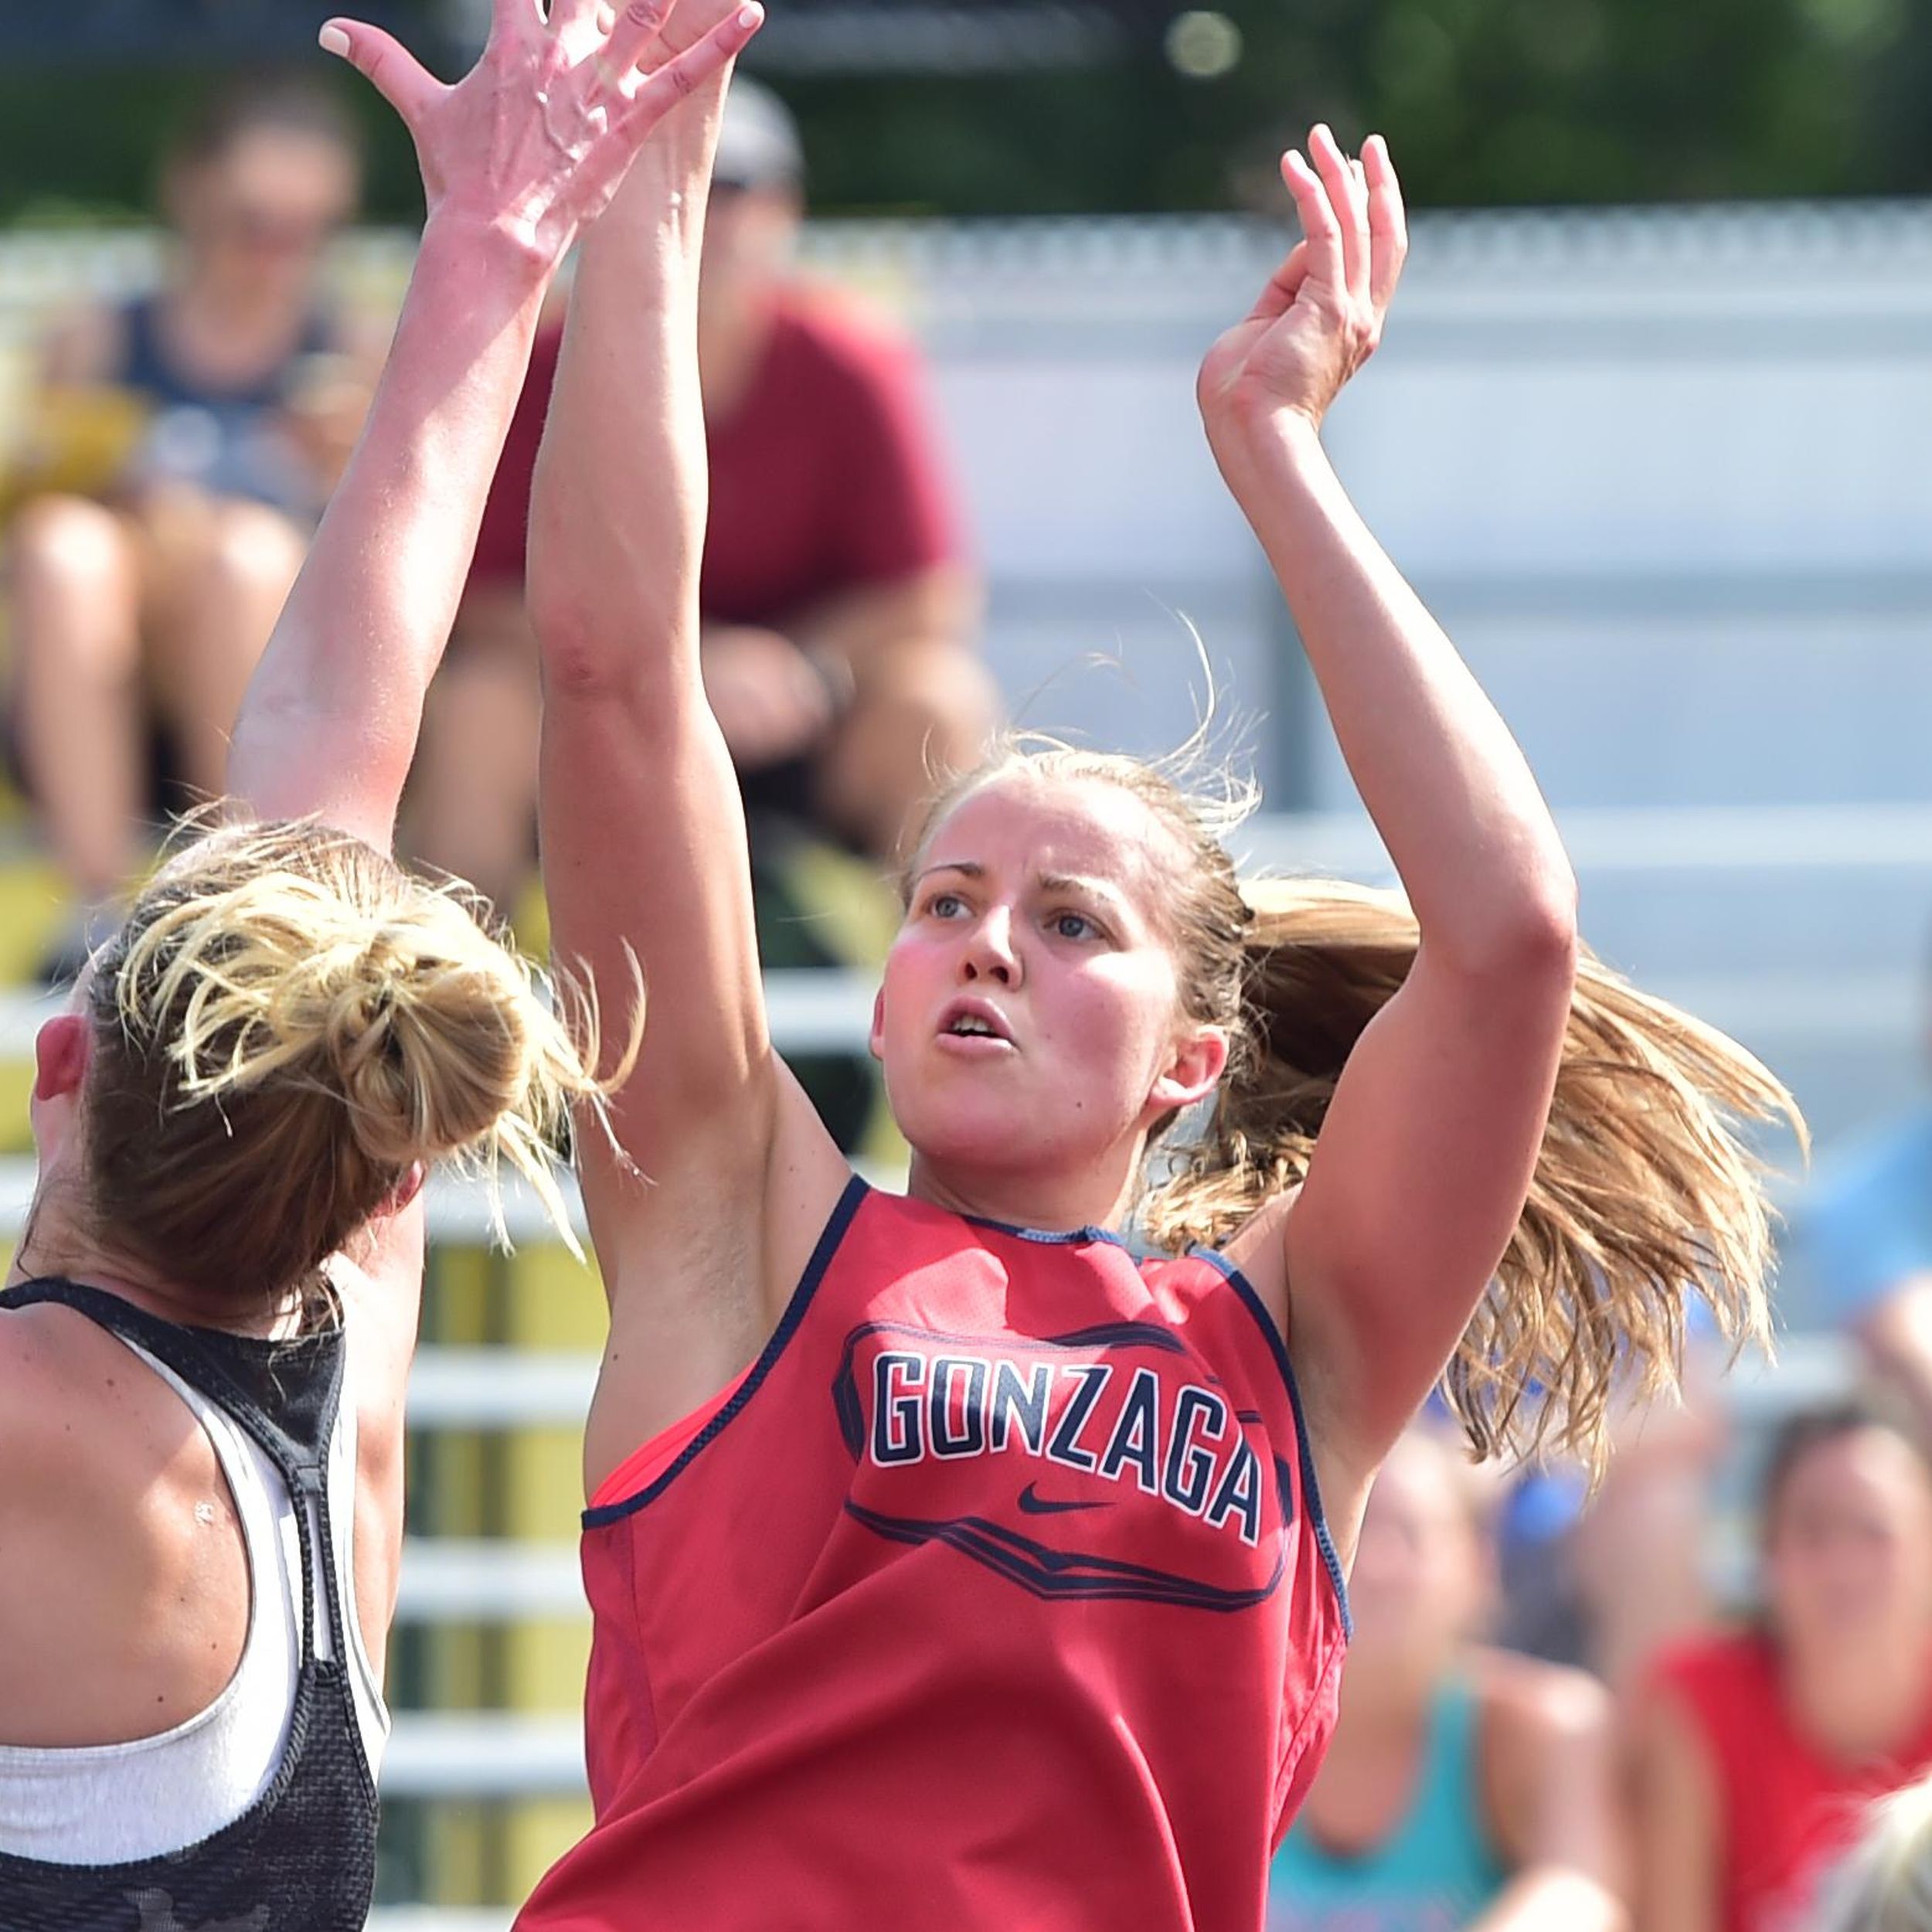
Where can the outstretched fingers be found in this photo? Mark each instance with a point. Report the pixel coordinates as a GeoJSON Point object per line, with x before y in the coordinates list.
{"type": "Point", "coordinates": [1323, 262]}
{"type": "Point", "coordinates": [1349, 195]}
{"type": "Point", "coordinates": [386, 64]}
{"type": "Point", "coordinates": [637, 24]}
{"type": "Point", "coordinates": [1387, 221]}
{"type": "Point", "coordinates": [657, 91]}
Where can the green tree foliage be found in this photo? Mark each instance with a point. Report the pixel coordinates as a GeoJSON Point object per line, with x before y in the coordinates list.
{"type": "Point", "coordinates": [1485, 102]}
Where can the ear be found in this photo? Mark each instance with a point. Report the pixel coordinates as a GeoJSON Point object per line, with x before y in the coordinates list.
{"type": "Point", "coordinates": [1200, 1059]}
{"type": "Point", "coordinates": [405, 1191]}
{"type": "Point", "coordinates": [62, 1050]}
{"type": "Point", "coordinates": [876, 1040]}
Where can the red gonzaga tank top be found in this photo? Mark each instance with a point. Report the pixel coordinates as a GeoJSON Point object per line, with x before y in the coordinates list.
{"type": "Point", "coordinates": [996, 1595]}
{"type": "Point", "coordinates": [1788, 1811]}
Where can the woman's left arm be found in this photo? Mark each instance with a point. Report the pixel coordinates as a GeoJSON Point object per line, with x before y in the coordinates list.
{"type": "Point", "coordinates": [516, 156]}
{"type": "Point", "coordinates": [1425, 1155]}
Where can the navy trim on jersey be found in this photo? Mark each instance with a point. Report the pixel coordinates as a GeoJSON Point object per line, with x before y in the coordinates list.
{"type": "Point", "coordinates": [829, 1241]}
{"type": "Point", "coordinates": [1048, 1237]}
{"type": "Point", "coordinates": [1310, 1489]}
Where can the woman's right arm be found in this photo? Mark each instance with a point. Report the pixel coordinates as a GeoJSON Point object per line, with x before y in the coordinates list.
{"type": "Point", "coordinates": [705, 1197]}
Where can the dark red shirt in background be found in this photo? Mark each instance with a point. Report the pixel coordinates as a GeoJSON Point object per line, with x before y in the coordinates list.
{"type": "Point", "coordinates": [1786, 1811]}
{"type": "Point", "coordinates": [824, 478]}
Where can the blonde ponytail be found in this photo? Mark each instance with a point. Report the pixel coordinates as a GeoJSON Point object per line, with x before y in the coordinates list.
{"type": "Point", "coordinates": [1644, 1194]}
{"type": "Point", "coordinates": [1885, 1885]}
{"type": "Point", "coordinates": [289, 1024]}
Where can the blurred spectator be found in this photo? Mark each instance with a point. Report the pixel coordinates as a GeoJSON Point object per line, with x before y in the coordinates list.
{"type": "Point", "coordinates": [1602, 1578]}
{"type": "Point", "coordinates": [1640, 1553]}
{"type": "Point", "coordinates": [1885, 1884]}
{"type": "Point", "coordinates": [1465, 1786]}
{"type": "Point", "coordinates": [1865, 1224]}
{"type": "Point", "coordinates": [1753, 1751]}
{"type": "Point", "coordinates": [838, 604]}
{"type": "Point", "coordinates": [181, 448]}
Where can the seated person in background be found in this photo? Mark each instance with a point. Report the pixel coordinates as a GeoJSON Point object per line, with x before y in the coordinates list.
{"type": "Point", "coordinates": [839, 608]}
{"type": "Point", "coordinates": [1465, 1788]}
{"type": "Point", "coordinates": [1753, 1751]}
{"type": "Point", "coordinates": [181, 449]}
{"type": "Point", "coordinates": [1605, 1577]}
{"type": "Point", "coordinates": [1864, 1230]}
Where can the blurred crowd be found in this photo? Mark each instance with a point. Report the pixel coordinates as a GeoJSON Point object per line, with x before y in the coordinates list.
{"type": "Point", "coordinates": [180, 447]}
{"type": "Point", "coordinates": [1562, 1708]}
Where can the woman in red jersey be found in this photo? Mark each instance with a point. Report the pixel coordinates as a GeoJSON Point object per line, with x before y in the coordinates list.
{"type": "Point", "coordinates": [1758, 1751]}
{"type": "Point", "coordinates": [972, 1573]}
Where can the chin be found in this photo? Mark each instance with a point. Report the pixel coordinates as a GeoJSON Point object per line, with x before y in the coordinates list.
{"type": "Point", "coordinates": [966, 1138]}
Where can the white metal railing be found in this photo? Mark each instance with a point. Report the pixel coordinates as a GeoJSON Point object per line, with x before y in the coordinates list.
{"type": "Point", "coordinates": [441, 1918]}
{"type": "Point", "coordinates": [483, 1754]}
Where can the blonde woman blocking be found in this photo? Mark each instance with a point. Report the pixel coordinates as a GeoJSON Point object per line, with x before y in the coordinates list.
{"type": "Point", "coordinates": [210, 1316]}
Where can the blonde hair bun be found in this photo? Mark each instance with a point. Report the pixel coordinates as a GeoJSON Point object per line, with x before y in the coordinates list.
{"type": "Point", "coordinates": [287, 1024]}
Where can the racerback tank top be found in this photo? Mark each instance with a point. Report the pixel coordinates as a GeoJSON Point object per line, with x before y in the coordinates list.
{"type": "Point", "coordinates": [997, 1595]}
{"type": "Point", "coordinates": [301, 1857]}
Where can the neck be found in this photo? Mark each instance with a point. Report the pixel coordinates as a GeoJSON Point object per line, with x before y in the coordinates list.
{"type": "Point", "coordinates": [55, 1246]}
{"type": "Point", "coordinates": [1856, 1700]}
{"type": "Point", "coordinates": [1053, 1203]}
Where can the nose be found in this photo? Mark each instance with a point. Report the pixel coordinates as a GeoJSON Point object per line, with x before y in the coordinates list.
{"type": "Point", "coordinates": [989, 953]}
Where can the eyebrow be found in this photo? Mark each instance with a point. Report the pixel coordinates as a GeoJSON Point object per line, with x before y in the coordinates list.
{"type": "Point", "coordinates": [1057, 881]}
{"type": "Point", "coordinates": [1098, 889]}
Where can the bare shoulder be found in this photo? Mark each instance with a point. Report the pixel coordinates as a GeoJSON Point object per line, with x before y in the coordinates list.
{"type": "Point", "coordinates": [1259, 1249]}
{"type": "Point", "coordinates": [380, 1282]}
{"type": "Point", "coordinates": [1534, 1707]}
{"type": "Point", "coordinates": [380, 1287]}
{"type": "Point", "coordinates": [123, 1597]}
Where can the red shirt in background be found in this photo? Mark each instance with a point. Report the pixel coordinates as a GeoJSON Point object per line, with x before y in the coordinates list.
{"type": "Point", "coordinates": [825, 476]}
{"type": "Point", "coordinates": [996, 1597]}
{"type": "Point", "coordinates": [1786, 1810]}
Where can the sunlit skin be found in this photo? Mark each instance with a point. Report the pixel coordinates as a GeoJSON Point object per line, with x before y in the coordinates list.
{"type": "Point", "coordinates": [1034, 914]}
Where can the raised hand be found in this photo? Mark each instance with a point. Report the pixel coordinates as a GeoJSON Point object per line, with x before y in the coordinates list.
{"type": "Point", "coordinates": [1321, 318]}
{"type": "Point", "coordinates": [537, 136]}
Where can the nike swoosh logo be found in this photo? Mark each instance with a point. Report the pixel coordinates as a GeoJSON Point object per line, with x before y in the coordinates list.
{"type": "Point", "coordinates": [1035, 1505]}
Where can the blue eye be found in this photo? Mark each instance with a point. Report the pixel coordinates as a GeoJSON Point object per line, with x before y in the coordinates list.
{"type": "Point", "coordinates": [944, 905]}
{"type": "Point", "coordinates": [1072, 925]}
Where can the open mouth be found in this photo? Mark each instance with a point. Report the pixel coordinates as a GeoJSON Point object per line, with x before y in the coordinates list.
{"type": "Point", "coordinates": [972, 1021]}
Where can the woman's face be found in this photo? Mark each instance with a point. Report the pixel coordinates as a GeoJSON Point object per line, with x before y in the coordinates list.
{"type": "Point", "coordinates": [1030, 1017]}
{"type": "Point", "coordinates": [266, 204]}
{"type": "Point", "coordinates": [1848, 1548]}
{"type": "Point", "coordinates": [1418, 1583]}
